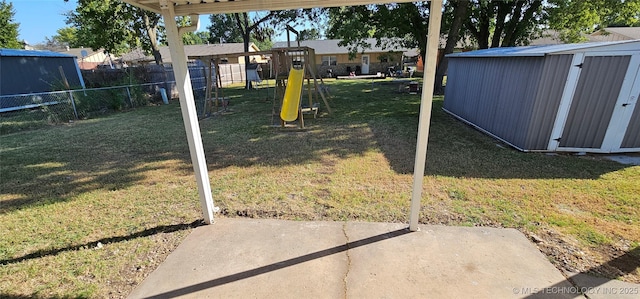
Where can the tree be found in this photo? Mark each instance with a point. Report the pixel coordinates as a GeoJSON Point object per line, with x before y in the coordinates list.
{"type": "Point", "coordinates": [223, 29]}
{"type": "Point", "coordinates": [245, 28]}
{"type": "Point", "coordinates": [65, 37]}
{"type": "Point", "coordinates": [403, 24]}
{"type": "Point", "coordinates": [489, 22]}
{"type": "Point", "coordinates": [505, 23]}
{"type": "Point", "coordinates": [309, 34]}
{"type": "Point", "coordinates": [8, 27]}
{"type": "Point", "coordinates": [573, 18]}
{"type": "Point", "coordinates": [115, 26]}
{"type": "Point", "coordinates": [459, 10]}
{"type": "Point", "coordinates": [196, 38]}
{"type": "Point", "coordinates": [189, 38]}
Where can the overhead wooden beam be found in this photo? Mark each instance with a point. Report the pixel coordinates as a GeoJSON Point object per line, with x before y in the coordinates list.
{"type": "Point", "coordinates": [151, 5]}
{"type": "Point", "coordinates": [184, 7]}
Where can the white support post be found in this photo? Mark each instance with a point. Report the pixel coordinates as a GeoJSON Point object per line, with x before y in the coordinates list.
{"type": "Point", "coordinates": [188, 107]}
{"type": "Point", "coordinates": [433, 39]}
{"type": "Point", "coordinates": [570, 86]}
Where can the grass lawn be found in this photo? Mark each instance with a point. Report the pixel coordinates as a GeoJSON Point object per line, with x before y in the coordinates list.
{"type": "Point", "coordinates": [88, 209]}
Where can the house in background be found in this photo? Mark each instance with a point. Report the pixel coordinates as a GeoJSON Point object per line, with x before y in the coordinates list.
{"type": "Point", "coordinates": [613, 34]}
{"type": "Point", "coordinates": [89, 59]}
{"type": "Point", "coordinates": [138, 56]}
{"type": "Point", "coordinates": [331, 56]}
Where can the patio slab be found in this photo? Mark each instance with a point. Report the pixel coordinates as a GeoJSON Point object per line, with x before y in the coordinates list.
{"type": "Point", "coordinates": [262, 258]}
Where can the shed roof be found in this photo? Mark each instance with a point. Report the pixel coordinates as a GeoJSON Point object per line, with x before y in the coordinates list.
{"type": "Point", "coordinates": [30, 53]}
{"type": "Point", "coordinates": [532, 51]}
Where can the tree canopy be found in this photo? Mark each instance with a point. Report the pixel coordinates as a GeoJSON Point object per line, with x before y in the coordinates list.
{"type": "Point", "coordinates": [573, 18]}
{"type": "Point", "coordinates": [309, 34]}
{"type": "Point", "coordinates": [258, 27]}
{"type": "Point", "coordinates": [115, 26]}
{"type": "Point", "coordinates": [64, 37]}
{"type": "Point", "coordinates": [403, 24]}
{"type": "Point", "coordinates": [8, 27]}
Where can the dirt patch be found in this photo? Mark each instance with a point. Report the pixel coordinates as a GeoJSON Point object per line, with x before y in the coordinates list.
{"type": "Point", "coordinates": [144, 263]}
{"type": "Point", "coordinates": [615, 261]}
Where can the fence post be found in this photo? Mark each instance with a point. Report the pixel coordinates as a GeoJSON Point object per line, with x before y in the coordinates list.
{"type": "Point", "coordinates": [231, 72]}
{"type": "Point", "coordinates": [129, 96]}
{"type": "Point", "coordinates": [73, 104]}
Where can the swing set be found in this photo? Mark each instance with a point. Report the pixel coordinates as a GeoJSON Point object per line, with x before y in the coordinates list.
{"type": "Point", "coordinates": [290, 67]}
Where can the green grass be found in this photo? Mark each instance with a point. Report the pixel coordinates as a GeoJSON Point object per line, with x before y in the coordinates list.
{"type": "Point", "coordinates": [125, 181]}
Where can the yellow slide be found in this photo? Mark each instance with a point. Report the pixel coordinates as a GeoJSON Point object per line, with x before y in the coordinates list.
{"type": "Point", "coordinates": [291, 101]}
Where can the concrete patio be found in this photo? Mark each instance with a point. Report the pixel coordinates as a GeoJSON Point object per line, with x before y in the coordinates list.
{"type": "Point", "coordinates": [252, 258]}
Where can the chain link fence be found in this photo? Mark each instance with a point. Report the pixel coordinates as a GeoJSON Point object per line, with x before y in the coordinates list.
{"type": "Point", "coordinates": [36, 110]}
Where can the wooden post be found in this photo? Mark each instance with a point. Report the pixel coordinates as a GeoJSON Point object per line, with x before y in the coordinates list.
{"type": "Point", "coordinates": [207, 88]}
{"type": "Point", "coordinates": [68, 87]}
{"type": "Point", "coordinates": [188, 107]}
{"type": "Point", "coordinates": [425, 110]}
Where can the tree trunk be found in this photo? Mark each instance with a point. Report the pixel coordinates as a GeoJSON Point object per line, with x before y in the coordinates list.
{"type": "Point", "coordinates": [151, 28]}
{"type": "Point", "coordinates": [483, 30]}
{"type": "Point", "coordinates": [246, 39]}
{"type": "Point", "coordinates": [459, 14]}
{"type": "Point", "coordinates": [243, 25]}
{"type": "Point", "coordinates": [503, 10]}
{"type": "Point", "coordinates": [511, 26]}
{"type": "Point", "coordinates": [516, 29]}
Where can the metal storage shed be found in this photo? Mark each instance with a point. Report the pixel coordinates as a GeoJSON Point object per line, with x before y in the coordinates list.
{"type": "Point", "coordinates": [26, 71]}
{"type": "Point", "coordinates": [574, 97]}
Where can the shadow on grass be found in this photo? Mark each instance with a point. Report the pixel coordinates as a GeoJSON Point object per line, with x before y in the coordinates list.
{"type": "Point", "coordinates": [454, 150]}
{"type": "Point", "coordinates": [54, 164]}
{"type": "Point", "coordinates": [141, 234]}
{"type": "Point", "coordinates": [46, 185]}
{"type": "Point", "coordinates": [457, 150]}
{"type": "Point", "coordinates": [58, 163]}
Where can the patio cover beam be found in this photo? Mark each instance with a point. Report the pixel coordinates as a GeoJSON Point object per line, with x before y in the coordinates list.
{"type": "Point", "coordinates": [187, 7]}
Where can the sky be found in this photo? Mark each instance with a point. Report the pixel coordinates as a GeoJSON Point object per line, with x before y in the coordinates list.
{"type": "Point", "coordinates": [42, 18]}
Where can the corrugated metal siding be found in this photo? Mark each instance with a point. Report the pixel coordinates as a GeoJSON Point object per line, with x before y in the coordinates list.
{"type": "Point", "coordinates": [29, 74]}
{"type": "Point", "coordinates": [496, 94]}
{"type": "Point", "coordinates": [632, 136]}
{"type": "Point", "coordinates": [594, 100]}
{"type": "Point", "coordinates": [552, 83]}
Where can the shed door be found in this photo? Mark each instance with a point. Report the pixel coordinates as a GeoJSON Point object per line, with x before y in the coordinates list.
{"type": "Point", "coordinates": [631, 136]}
{"type": "Point", "coordinates": [595, 103]}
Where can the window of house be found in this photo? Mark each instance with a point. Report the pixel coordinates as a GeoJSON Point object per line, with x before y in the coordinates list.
{"type": "Point", "coordinates": [329, 60]}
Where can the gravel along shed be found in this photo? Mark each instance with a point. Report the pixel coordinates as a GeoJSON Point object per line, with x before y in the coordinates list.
{"type": "Point", "coordinates": [573, 97]}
